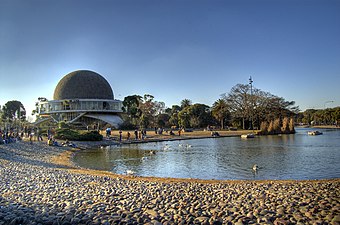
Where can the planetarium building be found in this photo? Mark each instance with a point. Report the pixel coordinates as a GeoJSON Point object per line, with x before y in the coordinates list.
{"type": "Point", "coordinates": [81, 98]}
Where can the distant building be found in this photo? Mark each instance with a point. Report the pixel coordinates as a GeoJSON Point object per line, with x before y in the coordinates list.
{"type": "Point", "coordinates": [81, 98]}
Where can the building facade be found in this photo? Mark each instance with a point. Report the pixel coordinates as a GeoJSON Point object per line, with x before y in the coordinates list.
{"type": "Point", "coordinates": [81, 98]}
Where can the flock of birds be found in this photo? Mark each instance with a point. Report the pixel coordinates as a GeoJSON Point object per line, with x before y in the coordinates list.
{"type": "Point", "coordinates": [153, 152]}
{"type": "Point", "coordinates": [167, 147]}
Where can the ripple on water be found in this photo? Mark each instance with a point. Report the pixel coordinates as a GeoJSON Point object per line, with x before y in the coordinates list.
{"type": "Point", "coordinates": [296, 156]}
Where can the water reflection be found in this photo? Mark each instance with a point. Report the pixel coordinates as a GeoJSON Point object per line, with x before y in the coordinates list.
{"type": "Point", "coordinates": [297, 156]}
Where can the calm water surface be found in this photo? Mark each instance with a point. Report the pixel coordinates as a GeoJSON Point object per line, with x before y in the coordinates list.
{"type": "Point", "coordinates": [296, 156]}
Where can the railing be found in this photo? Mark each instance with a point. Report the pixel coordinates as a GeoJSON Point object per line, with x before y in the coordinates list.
{"type": "Point", "coordinates": [80, 106]}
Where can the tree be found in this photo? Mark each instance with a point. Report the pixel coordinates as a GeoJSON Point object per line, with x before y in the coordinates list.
{"type": "Point", "coordinates": [308, 116]}
{"type": "Point", "coordinates": [163, 120]}
{"type": "Point", "coordinates": [197, 115]}
{"type": "Point", "coordinates": [131, 107]}
{"type": "Point", "coordinates": [257, 106]}
{"type": "Point", "coordinates": [321, 116]}
{"type": "Point", "coordinates": [200, 115]}
{"type": "Point", "coordinates": [185, 103]}
{"type": "Point", "coordinates": [143, 111]}
{"type": "Point", "coordinates": [220, 111]}
{"type": "Point", "coordinates": [13, 110]}
{"type": "Point", "coordinates": [174, 121]}
{"type": "Point", "coordinates": [148, 111]}
{"type": "Point", "coordinates": [184, 118]}
{"type": "Point", "coordinates": [159, 107]}
{"type": "Point", "coordinates": [239, 101]}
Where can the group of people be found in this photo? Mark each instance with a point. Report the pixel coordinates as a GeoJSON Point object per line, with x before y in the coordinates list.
{"type": "Point", "coordinates": [171, 132]}
{"type": "Point", "coordinates": [140, 134]}
{"type": "Point", "coordinates": [52, 142]}
{"type": "Point", "coordinates": [7, 137]}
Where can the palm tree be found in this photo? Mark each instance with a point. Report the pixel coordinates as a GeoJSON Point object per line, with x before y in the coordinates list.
{"type": "Point", "coordinates": [185, 103]}
{"type": "Point", "coordinates": [220, 111]}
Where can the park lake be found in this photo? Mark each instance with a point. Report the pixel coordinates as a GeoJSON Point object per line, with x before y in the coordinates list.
{"type": "Point", "coordinates": [296, 156]}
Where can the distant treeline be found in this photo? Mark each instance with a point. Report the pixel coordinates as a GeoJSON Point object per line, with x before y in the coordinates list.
{"type": "Point", "coordinates": [329, 116]}
{"type": "Point", "coordinates": [244, 107]}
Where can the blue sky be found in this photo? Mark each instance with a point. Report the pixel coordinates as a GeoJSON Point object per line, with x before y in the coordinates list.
{"type": "Point", "coordinates": [173, 50]}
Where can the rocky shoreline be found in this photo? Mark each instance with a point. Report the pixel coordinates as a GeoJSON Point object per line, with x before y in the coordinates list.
{"type": "Point", "coordinates": [38, 185]}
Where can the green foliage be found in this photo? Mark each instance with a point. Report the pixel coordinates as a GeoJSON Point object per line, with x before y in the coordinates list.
{"type": "Point", "coordinates": [220, 111]}
{"type": "Point", "coordinates": [173, 121]}
{"type": "Point", "coordinates": [62, 125]}
{"type": "Point", "coordinates": [144, 121]}
{"type": "Point", "coordinates": [13, 110]}
{"type": "Point", "coordinates": [195, 116]}
{"type": "Point", "coordinates": [131, 107]}
{"type": "Point", "coordinates": [163, 120]}
{"type": "Point", "coordinates": [127, 125]}
{"type": "Point", "coordinates": [75, 135]}
{"type": "Point", "coordinates": [184, 118]}
{"type": "Point", "coordinates": [257, 106]}
{"type": "Point", "coordinates": [328, 116]}
{"type": "Point", "coordinates": [185, 103]}
{"type": "Point", "coordinates": [143, 111]}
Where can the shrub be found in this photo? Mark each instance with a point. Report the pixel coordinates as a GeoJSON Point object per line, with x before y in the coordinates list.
{"type": "Point", "coordinates": [264, 127]}
{"type": "Point", "coordinates": [91, 136]}
{"type": "Point", "coordinates": [291, 125]}
{"type": "Point", "coordinates": [74, 135]}
{"type": "Point", "coordinates": [285, 125]}
{"type": "Point", "coordinates": [62, 125]}
{"type": "Point", "coordinates": [276, 126]}
{"type": "Point", "coordinates": [126, 125]}
{"type": "Point", "coordinates": [271, 128]}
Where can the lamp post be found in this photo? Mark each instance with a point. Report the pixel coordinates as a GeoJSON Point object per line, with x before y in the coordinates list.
{"type": "Point", "coordinates": [251, 103]}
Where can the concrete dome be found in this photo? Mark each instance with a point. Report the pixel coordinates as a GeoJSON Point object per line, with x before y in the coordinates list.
{"type": "Point", "coordinates": [83, 84]}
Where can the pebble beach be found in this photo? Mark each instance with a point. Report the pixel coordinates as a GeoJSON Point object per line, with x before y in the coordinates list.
{"type": "Point", "coordinates": [39, 185]}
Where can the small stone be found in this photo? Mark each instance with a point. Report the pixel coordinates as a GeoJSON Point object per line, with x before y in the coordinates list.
{"type": "Point", "coordinates": [279, 221]}
{"type": "Point", "coordinates": [336, 218]}
{"type": "Point", "coordinates": [152, 213]}
{"type": "Point", "coordinates": [155, 222]}
{"type": "Point", "coordinates": [202, 219]}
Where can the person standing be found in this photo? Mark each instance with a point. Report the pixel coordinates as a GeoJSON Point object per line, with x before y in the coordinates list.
{"type": "Point", "coordinates": [120, 135]}
{"type": "Point", "coordinates": [48, 133]}
{"type": "Point", "coordinates": [31, 137]}
{"type": "Point", "coordinates": [136, 134]}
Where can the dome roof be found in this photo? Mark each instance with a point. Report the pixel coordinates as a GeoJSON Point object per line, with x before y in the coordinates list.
{"type": "Point", "coordinates": [83, 84]}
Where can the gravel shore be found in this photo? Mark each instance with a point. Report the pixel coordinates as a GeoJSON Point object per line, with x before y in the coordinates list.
{"type": "Point", "coordinates": [37, 188]}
